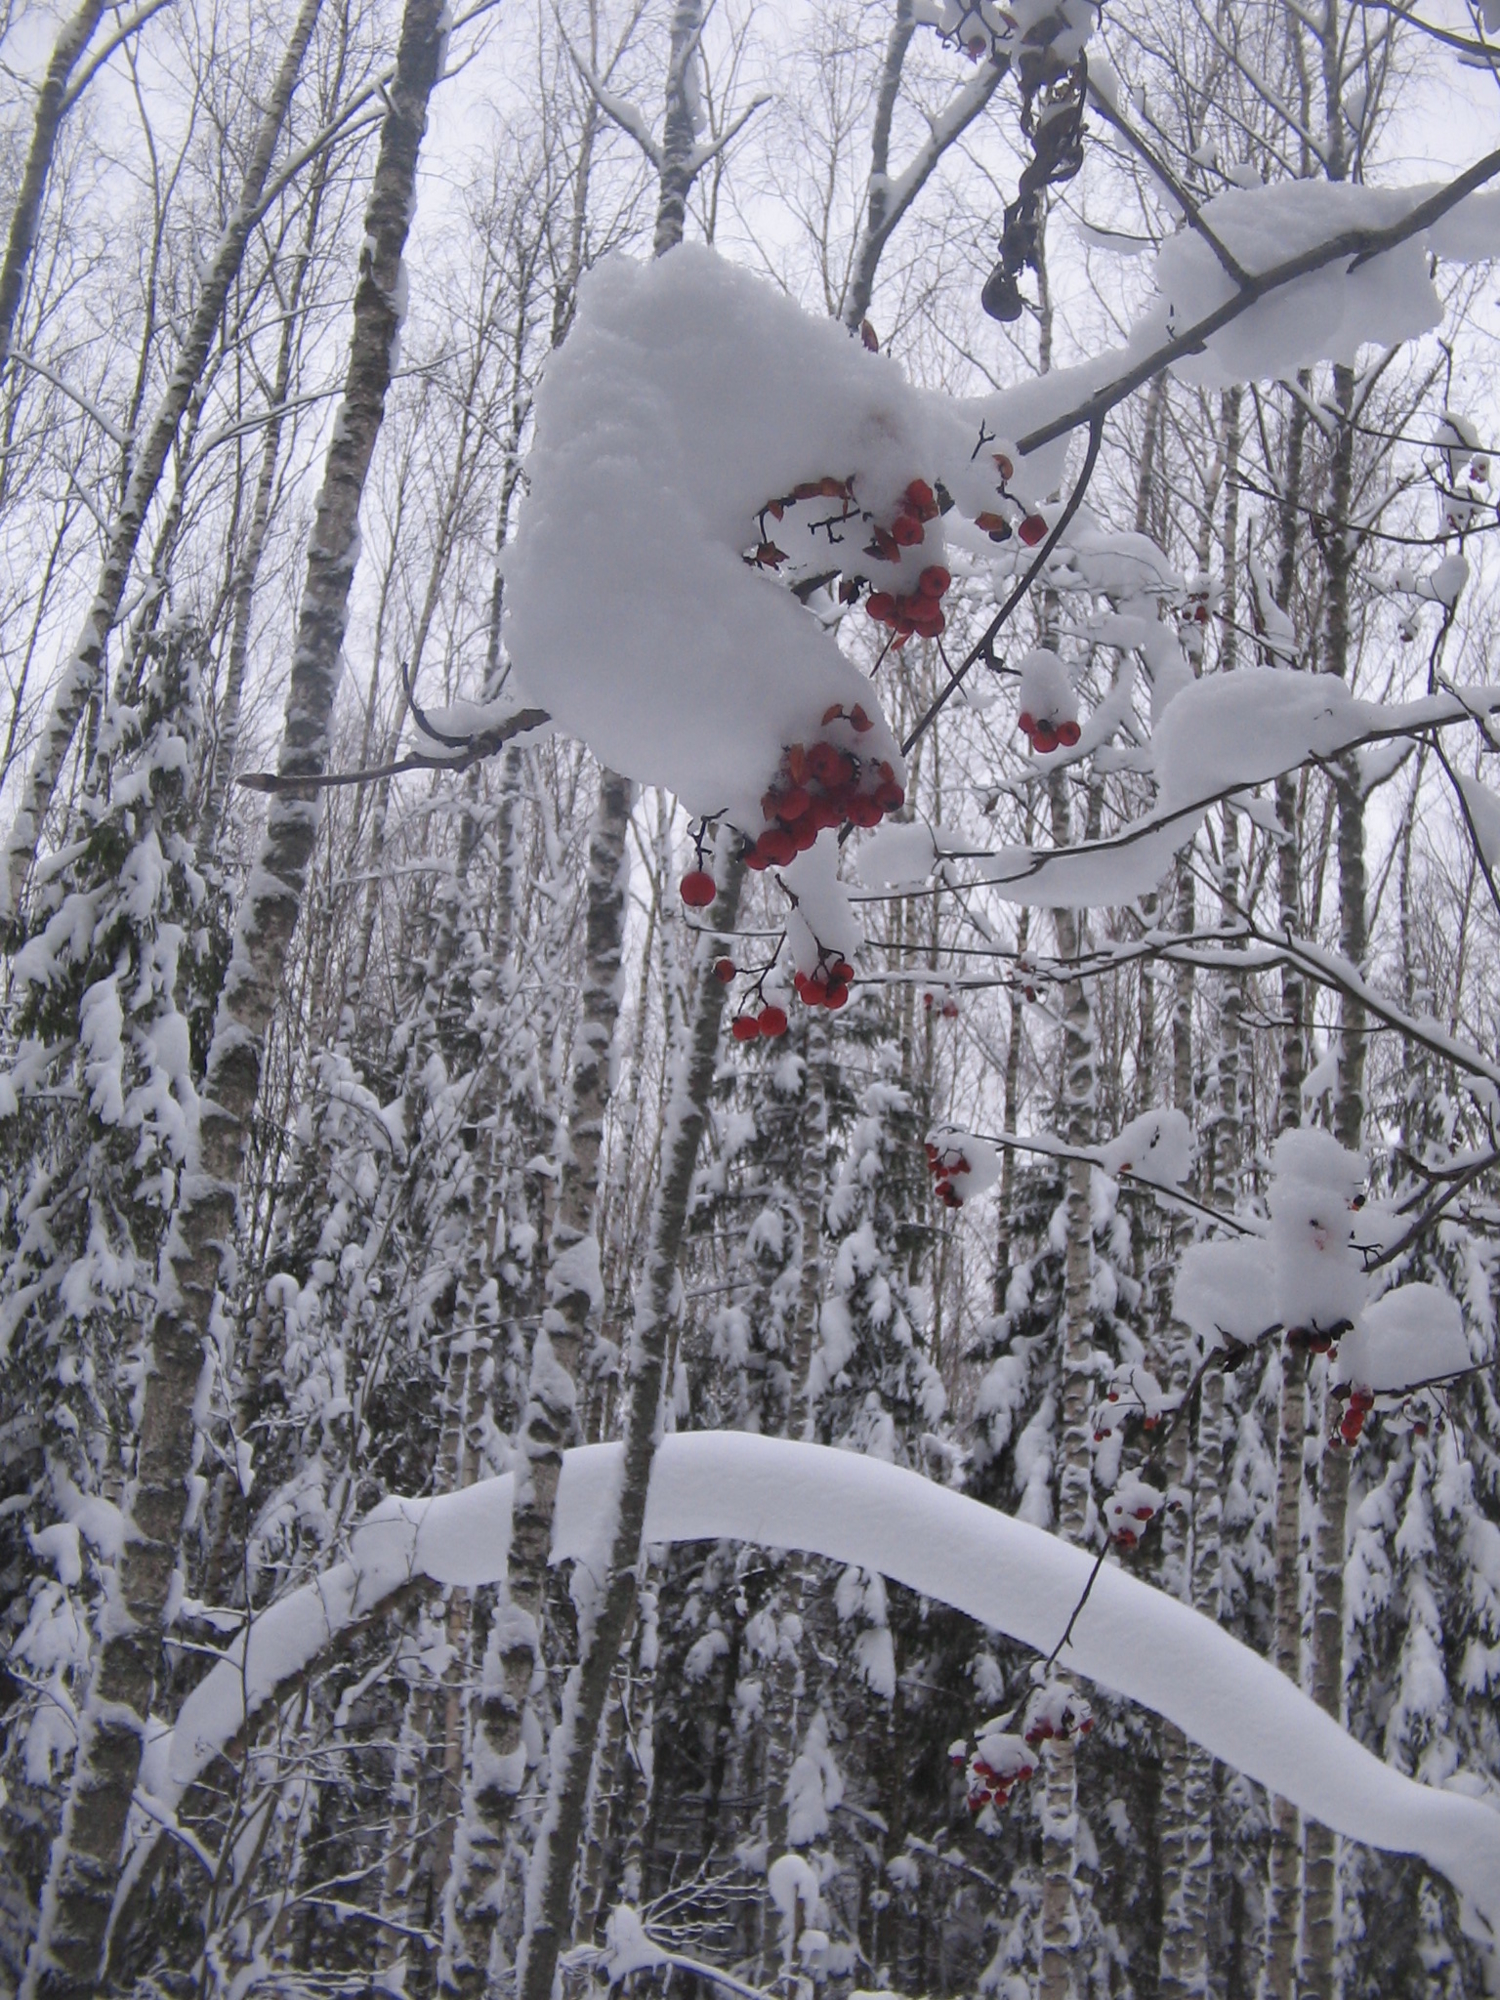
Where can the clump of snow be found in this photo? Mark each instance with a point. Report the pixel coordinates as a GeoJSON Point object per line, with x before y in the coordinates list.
{"type": "Point", "coordinates": [627, 1948]}
{"type": "Point", "coordinates": [1412, 1334]}
{"type": "Point", "coordinates": [1319, 1281]}
{"type": "Point", "coordinates": [1484, 814]}
{"type": "Point", "coordinates": [1130, 1510]}
{"type": "Point", "coordinates": [690, 394]}
{"type": "Point", "coordinates": [823, 919]}
{"type": "Point", "coordinates": [899, 855]}
{"type": "Point", "coordinates": [961, 1164]}
{"type": "Point", "coordinates": [1225, 1289]}
{"type": "Point", "coordinates": [1157, 1146]}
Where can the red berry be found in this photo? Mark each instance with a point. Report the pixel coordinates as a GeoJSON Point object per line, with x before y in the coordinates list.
{"type": "Point", "coordinates": [805, 831]}
{"type": "Point", "coordinates": [1068, 734]}
{"type": "Point", "coordinates": [792, 804]}
{"type": "Point", "coordinates": [994, 525]}
{"type": "Point", "coordinates": [724, 970]}
{"type": "Point", "coordinates": [1045, 739]}
{"type": "Point", "coordinates": [745, 1028]}
{"type": "Point", "coordinates": [1025, 722]}
{"type": "Point", "coordinates": [773, 1021]}
{"type": "Point", "coordinates": [698, 889]}
{"type": "Point", "coordinates": [1032, 530]}
{"type": "Point", "coordinates": [906, 531]}
{"type": "Point", "coordinates": [860, 721]}
{"type": "Point", "coordinates": [919, 497]}
{"type": "Point", "coordinates": [833, 714]}
{"type": "Point", "coordinates": [864, 809]}
{"type": "Point", "coordinates": [890, 797]}
{"type": "Point", "coordinates": [934, 581]}
{"type": "Point", "coordinates": [837, 995]}
{"type": "Point", "coordinates": [1006, 469]}
{"type": "Point", "coordinates": [843, 970]}
{"type": "Point", "coordinates": [776, 847]}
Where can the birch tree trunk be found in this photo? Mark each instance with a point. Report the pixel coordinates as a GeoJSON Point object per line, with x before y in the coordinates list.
{"type": "Point", "coordinates": [73, 38]}
{"type": "Point", "coordinates": [1320, 1846]}
{"type": "Point", "coordinates": [85, 1862]}
{"type": "Point", "coordinates": [1060, 1811]}
{"type": "Point", "coordinates": [890, 198]}
{"type": "Point", "coordinates": [573, 1291]}
{"type": "Point", "coordinates": [247, 569]}
{"type": "Point", "coordinates": [81, 675]}
{"type": "Point", "coordinates": [1284, 1886]}
{"type": "Point", "coordinates": [694, 1059]}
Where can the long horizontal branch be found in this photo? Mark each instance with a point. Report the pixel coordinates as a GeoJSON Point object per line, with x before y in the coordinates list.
{"type": "Point", "coordinates": [483, 745]}
{"type": "Point", "coordinates": [1358, 245]}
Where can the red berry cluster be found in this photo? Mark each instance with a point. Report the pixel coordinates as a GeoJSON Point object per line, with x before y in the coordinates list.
{"type": "Point", "coordinates": [766, 1020]}
{"type": "Point", "coordinates": [1029, 528]}
{"type": "Point", "coordinates": [919, 613]}
{"type": "Point", "coordinates": [822, 787]}
{"type": "Point", "coordinates": [989, 1787]}
{"type": "Point", "coordinates": [827, 985]}
{"type": "Point", "coordinates": [944, 1163]}
{"type": "Point", "coordinates": [1361, 1402]}
{"type": "Point", "coordinates": [948, 1009]}
{"type": "Point", "coordinates": [1312, 1339]}
{"type": "Point", "coordinates": [1127, 1537]}
{"type": "Point", "coordinates": [1046, 736]}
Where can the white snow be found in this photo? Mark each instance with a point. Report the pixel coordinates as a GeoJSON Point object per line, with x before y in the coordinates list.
{"type": "Point", "coordinates": [1484, 811]}
{"type": "Point", "coordinates": [1225, 1288]}
{"type": "Point", "coordinates": [1412, 1334]}
{"type": "Point", "coordinates": [855, 1509]}
{"type": "Point", "coordinates": [691, 393]}
{"type": "Point", "coordinates": [1157, 1147]}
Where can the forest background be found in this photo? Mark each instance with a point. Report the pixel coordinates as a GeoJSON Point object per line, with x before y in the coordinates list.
{"type": "Point", "coordinates": [389, 1138]}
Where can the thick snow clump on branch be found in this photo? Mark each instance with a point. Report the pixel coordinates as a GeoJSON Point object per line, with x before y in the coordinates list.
{"type": "Point", "coordinates": [689, 395]}
{"type": "Point", "coordinates": [1012, 1577]}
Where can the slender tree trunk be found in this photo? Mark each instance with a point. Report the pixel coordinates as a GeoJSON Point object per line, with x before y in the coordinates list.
{"type": "Point", "coordinates": [1060, 1928]}
{"type": "Point", "coordinates": [549, 1879]}
{"type": "Point", "coordinates": [883, 213]}
{"type": "Point", "coordinates": [1284, 1887]}
{"type": "Point", "coordinates": [80, 677]}
{"type": "Point", "coordinates": [1320, 1846]}
{"type": "Point", "coordinates": [247, 569]}
{"type": "Point", "coordinates": [679, 140]}
{"type": "Point", "coordinates": [86, 1858]}
{"type": "Point", "coordinates": [574, 1284]}
{"type": "Point", "coordinates": [73, 38]}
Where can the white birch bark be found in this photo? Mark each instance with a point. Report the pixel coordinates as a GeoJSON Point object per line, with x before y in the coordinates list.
{"type": "Point", "coordinates": [694, 1058]}
{"type": "Point", "coordinates": [1284, 1883]}
{"type": "Point", "coordinates": [25, 218]}
{"type": "Point", "coordinates": [1060, 1930]}
{"type": "Point", "coordinates": [86, 1859]}
{"type": "Point", "coordinates": [80, 677]}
